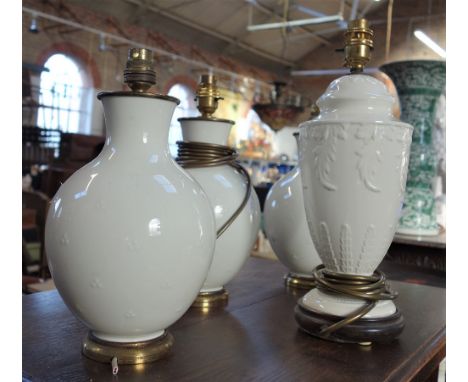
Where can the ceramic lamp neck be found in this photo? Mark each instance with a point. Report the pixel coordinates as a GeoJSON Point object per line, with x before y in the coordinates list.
{"type": "Point", "coordinates": [209, 131]}
{"type": "Point", "coordinates": [138, 125]}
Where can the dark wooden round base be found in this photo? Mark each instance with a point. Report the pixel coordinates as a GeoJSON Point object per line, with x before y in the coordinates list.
{"type": "Point", "coordinates": [363, 331]}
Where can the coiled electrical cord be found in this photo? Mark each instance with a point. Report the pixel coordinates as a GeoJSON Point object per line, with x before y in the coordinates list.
{"type": "Point", "coordinates": [201, 154]}
{"type": "Point", "coordinates": [371, 289]}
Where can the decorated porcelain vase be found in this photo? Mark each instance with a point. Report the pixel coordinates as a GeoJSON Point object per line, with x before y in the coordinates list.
{"type": "Point", "coordinates": [353, 159]}
{"type": "Point", "coordinates": [226, 188]}
{"type": "Point", "coordinates": [286, 225]}
{"type": "Point", "coordinates": [420, 85]}
{"type": "Point", "coordinates": [130, 236]}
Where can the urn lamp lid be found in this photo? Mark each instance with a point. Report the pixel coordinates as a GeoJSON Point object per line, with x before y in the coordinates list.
{"type": "Point", "coordinates": [357, 96]}
{"type": "Point", "coordinates": [207, 98]}
{"type": "Point", "coordinates": [139, 75]}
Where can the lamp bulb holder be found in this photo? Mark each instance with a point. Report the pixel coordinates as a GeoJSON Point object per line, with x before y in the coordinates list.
{"type": "Point", "coordinates": [358, 45]}
{"type": "Point", "coordinates": [139, 73]}
{"type": "Point", "coordinates": [208, 95]}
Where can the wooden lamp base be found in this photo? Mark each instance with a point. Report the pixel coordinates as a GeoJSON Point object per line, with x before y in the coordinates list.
{"type": "Point", "coordinates": [363, 331]}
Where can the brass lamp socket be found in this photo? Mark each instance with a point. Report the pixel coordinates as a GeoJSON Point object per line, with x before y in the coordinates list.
{"type": "Point", "coordinates": [207, 95]}
{"type": "Point", "coordinates": [358, 45]}
{"type": "Point", "coordinates": [314, 111]}
{"type": "Point", "coordinates": [139, 73]}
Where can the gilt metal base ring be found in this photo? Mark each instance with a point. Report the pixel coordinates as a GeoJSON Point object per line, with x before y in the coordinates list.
{"type": "Point", "coordinates": [127, 353]}
{"type": "Point", "coordinates": [295, 281]}
{"type": "Point", "coordinates": [208, 300]}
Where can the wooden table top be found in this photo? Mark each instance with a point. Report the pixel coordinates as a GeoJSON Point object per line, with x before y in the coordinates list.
{"type": "Point", "coordinates": [254, 339]}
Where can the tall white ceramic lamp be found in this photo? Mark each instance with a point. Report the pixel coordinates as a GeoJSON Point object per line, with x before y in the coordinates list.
{"type": "Point", "coordinates": [130, 236]}
{"type": "Point", "coordinates": [354, 161]}
{"type": "Point", "coordinates": [203, 152]}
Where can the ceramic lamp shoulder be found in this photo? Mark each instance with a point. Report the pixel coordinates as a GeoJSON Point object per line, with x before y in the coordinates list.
{"type": "Point", "coordinates": [225, 188]}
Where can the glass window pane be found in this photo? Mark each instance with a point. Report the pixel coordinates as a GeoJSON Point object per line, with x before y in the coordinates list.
{"type": "Point", "coordinates": [61, 93]}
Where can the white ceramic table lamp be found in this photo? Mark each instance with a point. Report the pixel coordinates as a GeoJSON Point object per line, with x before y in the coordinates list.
{"type": "Point", "coordinates": [204, 154]}
{"type": "Point", "coordinates": [130, 236]}
{"type": "Point", "coordinates": [287, 230]}
{"type": "Point", "coordinates": [354, 161]}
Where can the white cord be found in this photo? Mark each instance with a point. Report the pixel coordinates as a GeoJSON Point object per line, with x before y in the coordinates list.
{"type": "Point", "coordinates": [115, 366]}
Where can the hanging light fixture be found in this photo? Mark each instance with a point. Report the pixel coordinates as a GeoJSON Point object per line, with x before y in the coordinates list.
{"type": "Point", "coordinates": [102, 43]}
{"type": "Point", "coordinates": [33, 28]}
{"type": "Point", "coordinates": [282, 110]}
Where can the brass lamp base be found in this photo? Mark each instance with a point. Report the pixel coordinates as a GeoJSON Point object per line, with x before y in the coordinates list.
{"type": "Point", "coordinates": [127, 353]}
{"type": "Point", "coordinates": [363, 331]}
{"type": "Point", "coordinates": [209, 300]}
{"type": "Point", "coordinates": [301, 282]}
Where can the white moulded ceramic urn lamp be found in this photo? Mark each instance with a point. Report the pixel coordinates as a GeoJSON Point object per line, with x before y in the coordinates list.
{"type": "Point", "coordinates": [130, 236]}
{"type": "Point", "coordinates": [204, 154]}
{"type": "Point", "coordinates": [354, 161]}
{"type": "Point", "coordinates": [287, 230]}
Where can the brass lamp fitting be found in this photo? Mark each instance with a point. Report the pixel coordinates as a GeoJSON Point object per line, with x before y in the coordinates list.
{"type": "Point", "coordinates": [358, 45]}
{"type": "Point", "coordinates": [139, 73]}
{"type": "Point", "coordinates": [207, 95]}
{"type": "Point", "coordinates": [314, 110]}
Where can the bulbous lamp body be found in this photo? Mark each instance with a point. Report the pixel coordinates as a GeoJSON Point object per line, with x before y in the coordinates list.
{"type": "Point", "coordinates": [130, 236]}
{"type": "Point", "coordinates": [286, 225]}
{"type": "Point", "coordinates": [354, 161]}
{"type": "Point", "coordinates": [225, 188]}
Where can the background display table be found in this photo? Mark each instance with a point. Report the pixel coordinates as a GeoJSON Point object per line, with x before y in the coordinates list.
{"type": "Point", "coordinates": [423, 251]}
{"type": "Point", "coordinates": [254, 338]}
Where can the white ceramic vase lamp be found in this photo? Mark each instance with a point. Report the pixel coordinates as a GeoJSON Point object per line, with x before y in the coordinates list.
{"type": "Point", "coordinates": [287, 230]}
{"type": "Point", "coordinates": [204, 154]}
{"type": "Point", "coordinates": [130, 236]}
{"type": "Point", "coordinates": [354, 161]}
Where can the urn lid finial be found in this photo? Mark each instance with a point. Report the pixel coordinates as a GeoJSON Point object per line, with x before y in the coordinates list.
{"type": "Point", "coordinates": [139, 73]}
{"type": "Point", "coordinates": [358, 45]}
{"type": "Point", "coordinates": [208, 95]}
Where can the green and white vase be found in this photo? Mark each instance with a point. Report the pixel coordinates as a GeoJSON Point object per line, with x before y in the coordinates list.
{"type": "Point", "coordinates": [419, 85]}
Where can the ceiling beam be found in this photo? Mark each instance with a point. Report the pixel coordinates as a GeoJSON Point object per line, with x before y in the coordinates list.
{"type": "Point", "coordinates": [183, 4]}
{"type": "Point", "coordinates": [213, 33]}
{"type": "Point", "coordinates": [270, 12]}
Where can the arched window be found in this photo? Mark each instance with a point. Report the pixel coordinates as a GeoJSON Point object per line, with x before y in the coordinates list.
{"type": "Point", "coordinates": [64, 102]}
{"type": "Point", "coordinates": [186, 108]}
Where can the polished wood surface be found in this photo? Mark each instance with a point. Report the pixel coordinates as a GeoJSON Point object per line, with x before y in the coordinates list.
{"type": "Point", "coordinates": [254, 339]}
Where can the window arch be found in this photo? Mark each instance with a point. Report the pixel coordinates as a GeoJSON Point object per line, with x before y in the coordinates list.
{"type": "Point", "coordinates": [64, 101]}
{"type": "Point", "coordinates": [186, 108]}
